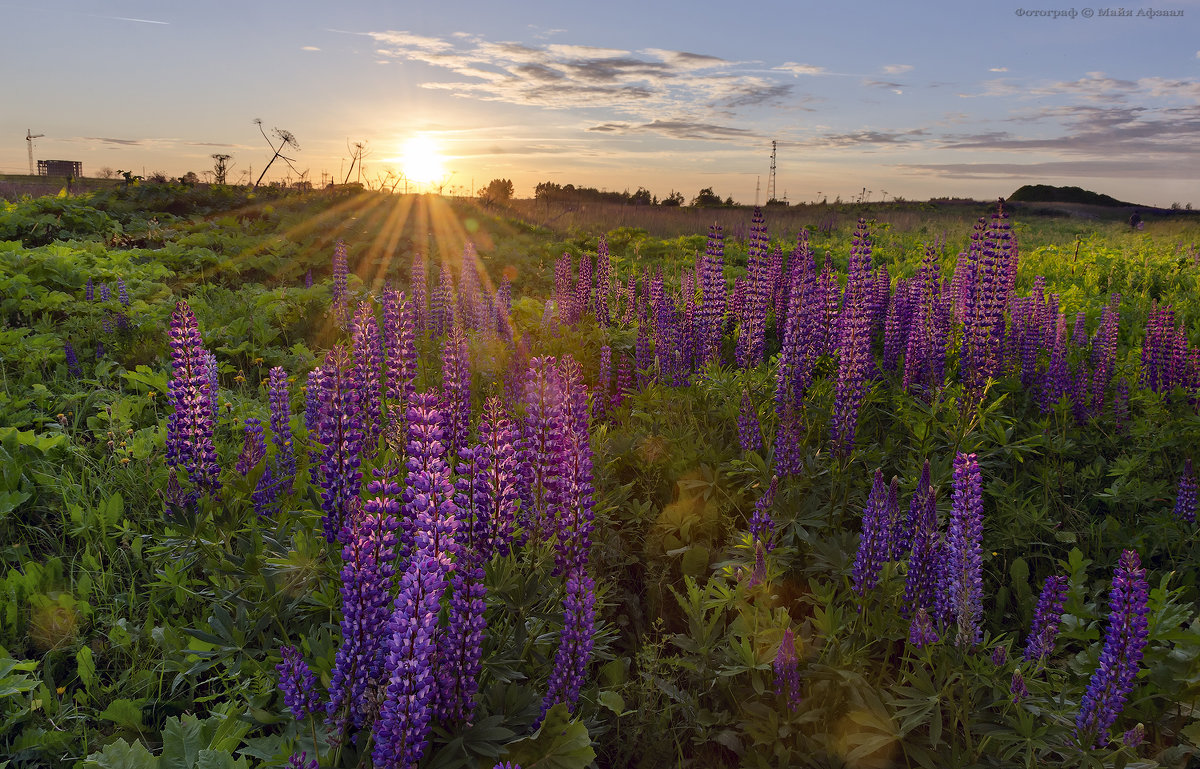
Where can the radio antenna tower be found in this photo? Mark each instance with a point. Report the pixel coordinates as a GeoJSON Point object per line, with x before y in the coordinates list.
{"type": "Point", "coordinates": [771, 178]}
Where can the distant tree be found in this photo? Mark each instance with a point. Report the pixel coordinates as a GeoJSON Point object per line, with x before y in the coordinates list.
{"type": "Point", "coordinates": [286, 139]}
{"type": "Point", "coordinates": [706, 197]}
{"type": "Point", "coordinates": [642, 197]}
{"type": "Point", "coordinates": [674, 199]}
{"type": "Point", "coordinates": [158, 177]}
{"type": "Point", "coordinates": [498, 191]}
{"type": "Point", "coordinates": [189, 178]}
{"type": "Point", "coordinates": [729, 201]}
{"type": "Point", "coordinates": [221, 167]}
{"type": "Point", "coordinates": [107, 172]}
{"type": "Point", "coordinates": [547, 191]}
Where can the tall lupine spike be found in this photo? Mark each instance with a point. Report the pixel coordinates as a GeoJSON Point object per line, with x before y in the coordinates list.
{"type": "Point", "coordinates": [298, 684]}
{"type": "Point", "coordinates": [964, 539]}
{"type": "Point", "coordinates": [430, 516]}
{"type": "Point", "coordinates": [1046, 617]}
{"type": "Point", "coordinates": [503, 305]}
{"type": "Point", "coordinates": [308, 278]}
{"type": "Point", "coordinates": [713, 298]}
{"type": "Point", "coordinates": [749, 429]}
{"type": "Point", "coordinates": [418, 286]}
{"type": "Point", "coordinates": [254, 448]}
{"type": "Point", "coordinates": [368, 539]}
{"type": "Point", "coordinates": [105, 292]}
{"type": "Point", "coordinates": [279, 402]}
{"type": "Point", "coordinates": [400, 356]}
{"type": "Point", "coordinates": [583, 287]}
{"type": "Point", "coordinates": [575, 494]}
{"type": "Point", "coordinates": [1185, 497]}
{"type": "Point", "coordinates": [405, 717]}
{"type": "Point", "coordinates": [854, 360]}
{"type": "Point", "coordinates": [575, 641]}
{"type": "Point", "coordinates": [193, 399]}
{"type": "Point", "coordinates": [1017, 687]}
{"type": "Point", "coordinates": [495, 477]}
{"type": "Point", "coordinates": [442, 305]}
{"type": "Point", "coordinates": [72, 360]}
{"type": "Point", "coordinates": [924, 567]}
{"type": "Point", "coordinates": [604, 283]}
{"type": "Point", "coordinates": [1056, 379]}
{"type": "Point", "coordinates": [340, 434]}
{"type": "Point", "coordinates": [602, 395]}
{"type": "Point", "coordinates": [625, 382]}
{"type": "Point", "coordinates": [921, 632]}
{"type": "Point", "coordinates": [904, 529]}
{"type": "Point", "coordinates": [339, 296]}
{"type": "Point", "coordinates": [752, 334]}
{"type": "Point", "coordinates": [89, 291]}
{"type": "Point", "coordinates": [460, 646]}
{"type": "Point", "coordinates": [456, 391]}
{"type": "Point", "coordinates": [1121, 654]}
{"type": "Point", "coordinates": [470, 299]}
{"type": "Point", "coordinates": [212, 372]}
{"type": "Point", "coordinates": [873, 543]}
{"type": "Point", "coordinates": [787, 671]}
{"type": "Point", "coordinates": [762, 525]}
{"type": "Point", "coordinates": [314, 400]}
{"type": "Point", "coordinates": [367, 373]}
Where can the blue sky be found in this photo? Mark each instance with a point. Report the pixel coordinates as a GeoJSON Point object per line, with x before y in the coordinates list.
{"type": "Point", "coordinates": [945, 98]}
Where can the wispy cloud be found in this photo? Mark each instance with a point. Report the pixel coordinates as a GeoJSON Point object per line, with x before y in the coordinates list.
{"type": "Point", "coordinates": [802, 69]}
{"type": "Point", "coordinates": [897, 69]}
{"type": "Point", "coordinates": [1106, 169]}
{"type": "Point", "coordinates": [678, 129]}
{"type": "Point", "coordinates": [998, 69]}
{"type": "Point", "coordinates": [309, 48]}
{"type": "Point", "coordinates": [126, 18]}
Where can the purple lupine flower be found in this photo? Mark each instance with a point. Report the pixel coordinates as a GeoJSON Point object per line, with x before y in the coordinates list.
{"type": "Point", "coordinates": [212, 371]}
{"type": "Point", "coordinates": [254, 448]}
{"type": "Point", "coordinates": [441, 305]}
{"type": "Point", "coordinates": [713, 299]}
{"type": "Point", "coordinates": [122, 292]}
{"type": "Point", "coordinates": [924, 564]}
{"type": "Point", "coordinates": [284, 467]}
{"type": "Point", "coordinates": [405, 717]}
{"type": "Point", "coordinates": [456, 391]}
{"type": "Point", "coordinates": [625, 383]}
{"type": "Point", "coordinates": [470, 301]}
{"type": "Point", "coordinates": [507, 765]}
{"type": "Point", "coordinates": [89, 291]}
{"type": "Point", "coordinates": [460, 647]}
{"type": "Point", "coordinates": [1185, 497]}
{"type": "Point", "coordinates": [574, 497]}
{"type": "Point", "coordinates": [758, 295]}
{"type": "Point", "coordinates": [418, 286]}
{"type": "Point", "coordinates": [495, 477]}
{"type": "Point", "coordinates": [99, 350]}
{"type": "Point", "coordinates": [298, 684]}
{"type": "Point", "coordinates": [575, 642]}
{"type": "Point", "coordinates": [854, 358]}
{"type": "Point", "coordinates": [542, 446]}
{"type": "Point", "coordinates": [400, 356]}
{"type": "Point", "coordinates": [787, 671]}
{"type": "Point", "coordinates": [340, 434]}
{"type": "Point", "coordinates": [191, 394]}
{"type": "Point", "coordinates": [314, 400]}
{"type": "Point", "coordinates": [999, 655]}
{"type": "Point", "coordinates": [602, 395]}
{"type": "Point", "coordinates": [564, 296]}
{"type": "Point", "coordinates": [1121, 654]}
{"type": "Point", "coordinates": [583, 287]}
{"type": "Point", "coordinates": [302, 761]}
{"type": "Point", "coordinates": [367, 372]}
{"type": "Point", "coordinates": [105, 293]}
{"type": "Point", "coordinates": [339, 297]}
{"type": "Point", "coordinates": [430, 516]}
{"type": "Point", "coordinates": [964, 540]}
{"type": "Point", "coordinates": [604, 279]}
{"type": "Point", "coordinates": [1046, 618]}
{"type": "Point", "coordinates": [308, 278]}
{"type": "Point", "coordinates": [762, 525]}
{"type": "Point", "coordinates": [368, 539]}
{"type": "Point", "coordinates": [873, 543]}
{"type": "Point", "coordinates": [1017, 688]}
{"type": "Point", "coordinates": [921, 632]}
{"type": "Point", "coordinates": [749, 430]}
{"type": "Point", "coordinates": [72, 360]}
{"type": "Point", "coordinates": [1135, 736]}
{"type": "Point", "coordinates": [904, 529]}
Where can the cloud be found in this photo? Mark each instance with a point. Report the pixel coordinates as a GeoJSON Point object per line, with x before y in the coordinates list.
{"type": "Point", "coordinates": [309, 48]}
{"type": "Point", "coordinates": [644, 85]}
{"type": "Point", "coordinates": [998, 69]}
{"type": "Point", "coordinates": [1100, 169]}
{"type": "Point", "coordinates": [126, 18]}
{"type": "Point", "coordinates": [897, 69]}
{"type": "Point", "coordinates": [123, 142]}
{"type": "Point", "coordinates": [802, 69]}
{"type": "Point", "coordinates": [882, 84]}
{"type": "Point", "coordinates": [677, 129]}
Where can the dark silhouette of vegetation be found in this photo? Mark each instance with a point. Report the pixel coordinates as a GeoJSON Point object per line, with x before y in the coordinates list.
{"type": "Point", "coordinates": [221, 167]}
{"type": "Point", "coordinates": [286, 139]}
{"type": "Point", "coordinates": [498, 191]}
{"type": "Point", "coordinates": [1047, 193]}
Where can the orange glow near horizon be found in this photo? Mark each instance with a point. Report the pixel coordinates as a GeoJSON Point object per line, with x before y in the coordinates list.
{"type": "Point", "coordinates": [421, 160]}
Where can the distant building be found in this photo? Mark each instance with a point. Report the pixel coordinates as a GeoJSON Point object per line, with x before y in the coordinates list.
{"type": "Point", "coordinates": [60, 168]}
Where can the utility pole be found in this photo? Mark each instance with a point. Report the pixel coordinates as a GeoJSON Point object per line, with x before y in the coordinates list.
{"type": "Point", "coordinates": [771, 178]}
{"type": "Point", "coordinates": [29, 137]}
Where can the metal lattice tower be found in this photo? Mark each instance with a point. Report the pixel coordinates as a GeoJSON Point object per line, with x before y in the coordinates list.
{"type": "Point", "coordinates": [771, 178]}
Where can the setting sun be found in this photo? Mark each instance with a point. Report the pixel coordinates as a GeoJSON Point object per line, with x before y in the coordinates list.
{"type": "Point", "coordinates": [421, 161]}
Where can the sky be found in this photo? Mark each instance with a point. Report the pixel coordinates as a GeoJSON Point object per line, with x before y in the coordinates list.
{"type": "Point", "coordinates": [872, 99]}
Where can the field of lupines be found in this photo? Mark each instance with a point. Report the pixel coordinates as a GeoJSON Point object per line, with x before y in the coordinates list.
{"type": "Point", "coordinates": [393, 482]}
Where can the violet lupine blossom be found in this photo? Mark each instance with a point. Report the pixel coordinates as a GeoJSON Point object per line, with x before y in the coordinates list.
{"type": "Point", "coordinates": [762, 525]}
{"type": "Point", "coordinates": [105, 292]}
{"type": "Point", "coordinates": [418, 286]}
{"type": "Point", "coordinates": [924, 565]}
{"type": "Point", "coordinates": [786, 667]}
{"type": "Point", "coordinates": [1046, 618]}
{"type": "Point", "coordinates": [964, 575]}
{"type": "Point", "coordinates": [399, 355]}
{"type": "Point", "coordinates": [921, 632]}
{"type": "Point", "coordinates": [368, 539]}
{"type": "Point", "coordinates": [604, 281]}
{"type": "Point", "coordinates": [1121, 654]}
{"type": "Point", "coordinates": [122, 292]}
{"type": "Point", "coordinates": [603, 392]}
{"type": "Point", "coordinates": [339, 298]}
{"type": "Point", "coordinates": [72, 360]}
{"type": "Point", "coordinates": [854, 359]}
{"type": "Point", "coordinates": [302, 761]}
{"type": "Point", "coordinates": [713, 299]}
{"type": "Point", "coordinates": [1056, 379]}
{"type": "Point", "coordinates": [507, 765]}
{"type": "Point", "coordinates": [89, 291]}
{"type": "Point", "coordinates": [213, 372]}
{"type": "Point", "coordinates": [441, 306]}
{"type": "Point", "coordinates": [495, 477]}
{"type": "Point", "coordinates": [308, 278]}
{"type": "Point", "coordinates": [752, 333]}
{"type": "Point", "coordinates": [298, 684]}
{"type": "Point", "coordinates": [904, 529]}
{"type": "Point", "coordinates": [999, 655]}
{"type": "Point", "coordinates": [460, 646]}
{"type": "Point", "coordinates": [1134, 736]}
{"type": "Point", "coordinates": [406, 714]}
{"type": "Point", "coordinates": [575, 642]}
{"type": "Point", "coordinates": [749, 430]}
{"type": "Point", "coordinates": [367, 371]}
{"type": "Point", "coordinates": [1185, 497]}
{"type": "Point", "coordinates": [314, 400]}
{"type": "Point", "coordinates": [1017, 688]}
{"type": "Point", "coordinates": [254, 448]}
{"type": "Point", "coordinates": [542, 448]}
{"type": "Point", "coordinates": [456, 391]}
{"type": "Point", "coordinates": [575, 516]}
{"type": "Point", "coordinates": [192, 397]}
{"type": "Point", "coordinates": [340, 434]}
{"type": "Point", "coordinates": [284, 467]}
{"type": "Point", "coordinates": [873, 543]}
{"type": "Point", "coordinates": [430, 516]}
